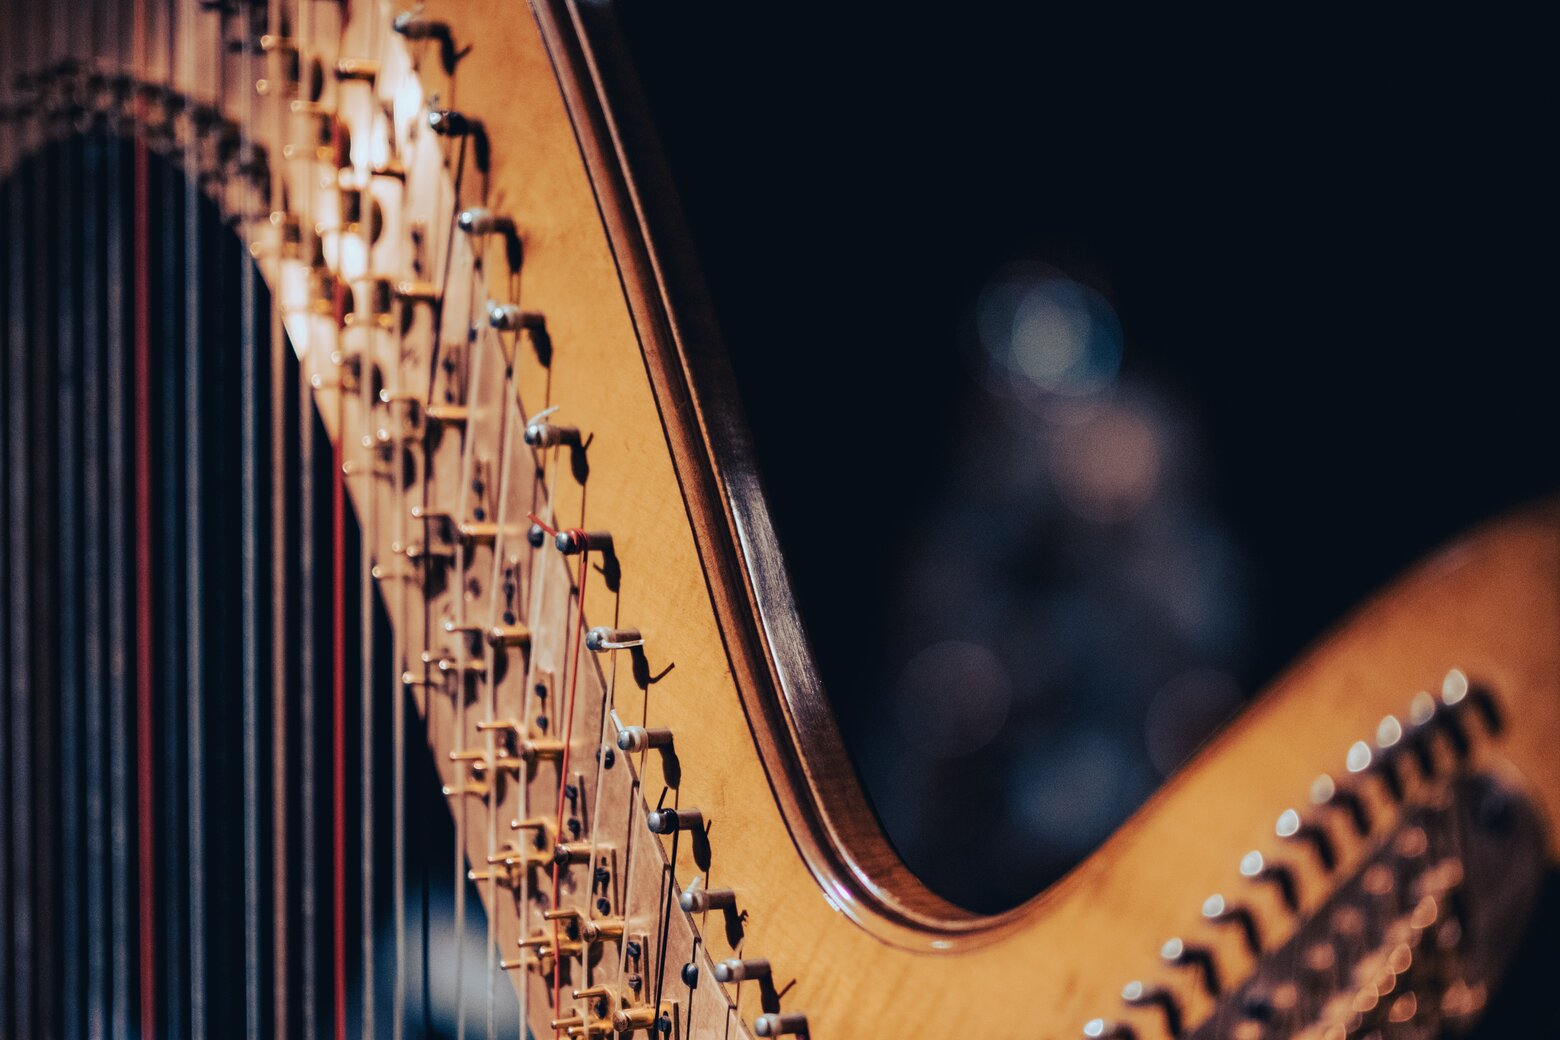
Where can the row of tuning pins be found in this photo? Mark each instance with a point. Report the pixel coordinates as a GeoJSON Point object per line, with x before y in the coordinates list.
{"type": "Point", "coordinates": [1403, 762]}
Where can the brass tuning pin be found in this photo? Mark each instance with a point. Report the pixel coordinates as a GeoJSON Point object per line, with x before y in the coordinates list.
{"type": "Point", "coordinates": [508, 635]}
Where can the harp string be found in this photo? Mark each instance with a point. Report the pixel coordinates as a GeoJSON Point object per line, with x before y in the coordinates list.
{"type": "Point", "coordinates": [253, 623]}
{"type": "Point", "coordinates": [308, 663]}
{"type": "Point", "coordinates": [93, 579]}
{"type": "Point", "coordinates": [276, 76]}
{"type": "Point", "coordinates": [14, 870]}
{"type": "Point", "coordinates": [180, 26]}
{"type": "Point", "coordinates": [120, 629]}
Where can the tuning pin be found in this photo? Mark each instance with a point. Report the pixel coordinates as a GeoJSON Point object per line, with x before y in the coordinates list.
{"type": "Point", "coordinates": [573, 541]}
{"type": "Point", "coordinates": [447, 414]}
{"type": "Point", "coordinates": [696, 899]}
{"type": "Point", "coordinates": [628, 1020]}
{"type": "Point", "coordinates": [669, 821]}
{"type": "Point", "coordinates": [596, 929]}
{"type": "Point", "coordinates": [414, 25]}
{"type": "Point", "coordinates": [448, 123]}
{"type": "Point", "coordinates": [1456, 689]}
{"type": "Point", "coordinates": [362, 70]}
{"type": "Point", "coordinates": [1389, 739]}
{"type": "Point", "coordinates": [548, 435]}
{"type": "Point", "coordinates": [1218, 911]}
{"type": "Point", "coordinates": [1100, 1029]}
{"type": "Point", "coordinates": [567, 852]}
{"type": "Point", "coordinates": [635, 739]}
{"type": "Point", "coordinates": [1291, 827]}
{"type": "Point", "coordinates": [477, 532]}
{"type": "Point", "coordinates": [478, 221]}
{"type": "Point", "coordinates": [1137, 995]}
{"type": "Point", "coordinates": [1200, 958]}
{"type": "Point", "coordinates": [741, 970]}
{"type": "Point", "coordinates": [506, 317]}
{"type": "Point", "coordinates": [1325, 792]}
{"type": "Point", "coordinates": [601, 639]}
{"type": "Point", "coordinates": [476, 789]}
{"type": "Point", "coordinates": [790, 1024]}
{"type": "Point", "coordinates": [416, 292]}
{"type": "Point", "coordinates": [532, 750]}
{"type": "Point", "coordinates": [509, 635]}
{"type": "Point", "coordinates": [542, 827]}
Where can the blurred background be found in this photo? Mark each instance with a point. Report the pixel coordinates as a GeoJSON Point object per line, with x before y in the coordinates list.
{"type": "Point", "coordinates": [1140, 352]}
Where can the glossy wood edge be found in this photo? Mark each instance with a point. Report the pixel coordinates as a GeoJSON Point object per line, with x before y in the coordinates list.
{"type": "Point", "coordinates": [810, 773]}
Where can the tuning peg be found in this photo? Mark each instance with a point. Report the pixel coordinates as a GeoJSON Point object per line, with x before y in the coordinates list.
{"type": "Point", "coordinates": [569, 852]}
{"type": "Point", "coordinates": [635, 739]}
{"type": "Point", "coordinates": [669, 821]}
{"type": "Point", "coordinates": [414, 25]}
{"type": "Point", "coordinates": [573, 541]}
{"type": "Point", "coordinates": [446, 414]}
{"type": "Point", "coordinates": [1199, 958]}
{"type": "Point", "coordinates": [791, 1024]}
{"type": "Point", "coordinates": [1135, 994]}
{"type": "Point", "coordinates": [602, 639]}
{"type": "Point", "coordinates": [416, 292]}
{"type": "Point", "coordinates": [1253, 866]}
{"type": "Point", "coordinates": [1100, 1029]}
{"type": "Point", "coordinates": [741, 970]}
{"type": "Point", "coordinates": [531, 750]}
{"type": "Point", "coordinates": [595, 929]}
{"type": "Point", "coordinates": [696, 899]}
{"type": "Point", "coordinates": [506, 317]}
{"type": "Point", "coordinates": [1292, 827]}
{"type": "Point", "coordinates": [361, 70]}
{"type": "Point", "coordinates": [1457, 689]}
{"type": "Point", "coordinates": [476, 532]}
{"type": "Point", "coordinates": [1325, 793]}
{"type": "Point", "coordinates": [508, 635]}
{"type": "Point", "coordinates": [478, 221]}
{"type": "Point", "coordinates": [549, 435]}
{"type": "Point", "coordinates": [448, 123]}
{"type": "Point", "coordinates": [628, 1020]}
{"type": "Point", "coordinates": [1218, 911]}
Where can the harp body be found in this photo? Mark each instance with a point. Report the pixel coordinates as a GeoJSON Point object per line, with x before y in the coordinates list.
{"type": "Point", "coordinates": [675, 617]}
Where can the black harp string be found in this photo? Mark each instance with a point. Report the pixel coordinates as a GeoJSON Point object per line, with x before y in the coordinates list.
{"type": "Point", "coordinates": [183, 62]}
{"type": "Point", "coordinates": [278, 94]}
{"type": "Point", "coordinates": [368, 534]}
{"type": "Point", "coordinates": [116, 382]}
{"type": "Point", "coordinates": [250, 560]}
{"type": "Point", "coordinates": [92, 433]}
{"type": "Point", "coordinates": [68, 583]}
{"type": "Point", "coordinates": [10, 114]}
{"type": "Point", "coordinates": [175, 874]}
{"type": "Point", "coordinates": [307, 660]}
{"type": "Point", "coordinates": [44, 545]}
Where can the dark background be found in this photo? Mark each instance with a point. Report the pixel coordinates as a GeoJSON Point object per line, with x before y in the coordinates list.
{"type": "Point", "coordinates": [1328, 248]}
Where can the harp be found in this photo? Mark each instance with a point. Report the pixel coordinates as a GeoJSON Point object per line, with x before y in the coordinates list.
{"type": "Point", "coordinates": [397, 643]}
